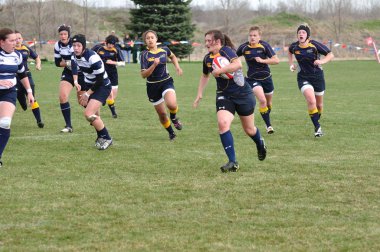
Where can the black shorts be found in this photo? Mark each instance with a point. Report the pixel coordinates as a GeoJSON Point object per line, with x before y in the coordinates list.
{"type": "Point", "coordinates": [67, 75]}
{"type": "Point", "coordinates": [101, 94]}
{"type": "Point", "coordinates": [242, 105]}
{"type": "Point", "coordinates": [266, 84]}
{"type": "Point", "coordinates": [114, 78]}
{"type": "Point", "coordinates": [9, 95]}
{"type": "Point", "coordinates": [317, 81]}
{"type": "Point", "coordinates": [156, 91]}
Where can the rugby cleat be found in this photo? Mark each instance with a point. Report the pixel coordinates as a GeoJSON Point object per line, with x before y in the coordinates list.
{"type": "Point", "coordinates": [1, 163]}
{"type": "Point", "coordinates": [98, 141]}
{"type": "Point", "coordinates": [270, 130]}
{"type": "Point", "coordinates": [172, 136]}
{"type": "Point", "coordinates": [114, 116]}
{"type": "Point", "coordinates": [67, 130]}
{"type": "Point", "coordinates": [104, 143]}
{"type": "Point", "coordinates": [40, 124]}
{"type": "Point", "coordinates": [261, 150]}
{"type": "Point", "coordinates": [318, 132]}
{"type": "Point", "coordinates": [177, 123]}
{"type": "Point", "coordinates": [230, 167]}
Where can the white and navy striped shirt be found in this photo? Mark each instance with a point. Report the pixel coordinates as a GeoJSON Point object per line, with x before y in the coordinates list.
{"type": "Point", "coordinates": [91, 65]}
{"type": "Point", "coordinates": [10, 65]}
{"type": "Point", "coordinates": [62, 51]}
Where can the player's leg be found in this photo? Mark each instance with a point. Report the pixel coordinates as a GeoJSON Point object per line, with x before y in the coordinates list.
{"type": "Point", "coordinates": [171, 102]}
{"type": "Point", "coordinates": [7, 110]}
{"type": "Point", "coordinates": [65, 88]}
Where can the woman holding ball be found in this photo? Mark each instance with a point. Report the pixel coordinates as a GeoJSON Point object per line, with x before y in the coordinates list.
{"type": "Point", "coordinates": [232, 95]}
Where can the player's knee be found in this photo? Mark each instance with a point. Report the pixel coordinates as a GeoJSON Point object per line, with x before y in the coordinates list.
{"type": "Point", "coordinates": [5, 122]}
{"type": "Point", "coordinates": [91, 118]}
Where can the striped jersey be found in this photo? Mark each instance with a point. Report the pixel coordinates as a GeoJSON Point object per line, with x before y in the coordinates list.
{"type": "Point", "coordinates": [62, 52]}
{"type": "Point", "coordinates": [92, 67]}
{"type": "Point", "coordinates": [10, 65]}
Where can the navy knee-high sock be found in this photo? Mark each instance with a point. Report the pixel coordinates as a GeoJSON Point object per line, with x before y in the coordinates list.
{"type": "Point", "coordinates": [4, 137]}
{"type": "Point", "coordinates": [228, 145]}
{"type": "Point", "coordinates": [65, 108]}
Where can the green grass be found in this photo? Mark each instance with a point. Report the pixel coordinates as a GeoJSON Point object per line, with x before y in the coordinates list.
{"type": "Point", "coordinates": [59, 193]}
{"type": "Point", "coordinates": [372, 25]}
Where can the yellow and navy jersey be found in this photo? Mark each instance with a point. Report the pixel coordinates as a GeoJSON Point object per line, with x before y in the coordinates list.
{"type": "Point", "coordinates": [62, 52]}
{"type": "Point", "coordinates": [26, 52]}
{"type": "Point", "coordinates": [223, 85]}
{"type": "Point", "coordinates": [92, 67]}
{"type": "Point", "coordinates": [108, 54]}
{"type": "Point", "coordinates": [256, 71]}
{"type": "Point", "coordinates": [161, 72]}
{"type": "Point", "coordinates": [306, 55]}
{"type": "Point", "coordinates": [10, 66]}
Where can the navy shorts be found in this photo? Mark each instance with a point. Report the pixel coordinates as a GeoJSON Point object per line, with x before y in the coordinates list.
{"type": "Point", "coordinates": [101, 94]}
{"type": "Point", "coordinates": [156, 91]}
{"type": "Point", "coordinates": [242, 105]}
{"type": "Point", "coordinates": [114, 78]}
{"type": "Point", "coordinates": [20, 88]}
{"type": "Point", "coordinates": [266, 84]}
{"type": "Point", "coordinates": [67, 75]}
{"type": "Point", "coordinates": [9, 95]}
{"type": "Point", "coordinates": [317, 81]}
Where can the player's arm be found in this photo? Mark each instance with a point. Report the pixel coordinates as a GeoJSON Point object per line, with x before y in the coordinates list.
{"type": "Point", "coordinates": [174, 60]}
{"type": "Point", "coordinates": [38, 63]}
{"type": "Point", "coordinates": [274, 60]}
{"type": "Point", "coordinates": [232, 67]}
{"type": "Point", "coordinates": [202, 85]}
{"type": "Point", "coordinates": [147, 71]}
{"type": "Point", "coordinates": [325, 59]}
{"type": "Point", "coordinates": [292, 67]}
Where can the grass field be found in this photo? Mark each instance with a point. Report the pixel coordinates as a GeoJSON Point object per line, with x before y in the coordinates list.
{"type": "Point", "coordinates": [59, 193]}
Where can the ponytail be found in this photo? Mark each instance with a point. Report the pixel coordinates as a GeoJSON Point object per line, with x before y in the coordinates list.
{"type": "Point", "coordinates": [224, 39]}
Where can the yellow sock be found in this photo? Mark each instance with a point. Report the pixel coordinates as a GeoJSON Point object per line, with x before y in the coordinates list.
{"type": "Point", "coordinates": [35, 105]}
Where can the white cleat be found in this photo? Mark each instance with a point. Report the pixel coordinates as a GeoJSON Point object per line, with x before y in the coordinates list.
{"type": "Point", "coordinates": [270, 130]}
{"type": "Point", "coordinates": [318, 132]}
{"type": "Point", "coordinates": [67, 130]}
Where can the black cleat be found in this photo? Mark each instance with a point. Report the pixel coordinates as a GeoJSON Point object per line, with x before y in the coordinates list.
{"type": "Point", "coordinates": [262, 150]}
{"type": "Point", "coordinates": [40, 124]}
{"type": "Point", "coordinates": [177, 123]}
{"type": "Point", "coordinates": [230, 167]}
{"type": "Point", "coordinates": [114, 116]}
{"type": "Point", "coordinates": [1, 163]}
{"type": "Point", "coordinates": [172, 136]}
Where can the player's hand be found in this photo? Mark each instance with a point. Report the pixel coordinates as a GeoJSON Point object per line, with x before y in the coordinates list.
{"type": "Point", "coordinates": [216, 72]}
{"type": "Point", "coordinates": [6, 83]}
{"type": "Point", "coordinates": [78, 87]}
{"type": "Point", "coordinates": [30, 98]}
{"type": "Point", "coordinates": [156, 61]}
{"type": "Point", "coordinates": [293, 67]}
{"type": "Point", "coordinates": [83, 100]}
{"type": "Point", "coordinates": [259, 60]}
{"type": "Point", "coordinates": [38, 67]}
{"type": "Point", "coordinates": [179, 71]}
{"type": "Point", "coordinates": [196, 102]}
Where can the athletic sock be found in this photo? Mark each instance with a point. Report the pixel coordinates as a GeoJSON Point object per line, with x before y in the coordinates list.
{"type": "Point", "coordinates": [167, 125]}
{"type": "Point", "coordinates": [65, 108]}
{"type": "Point", "coordinates": [265, 115]}
{"type": "Point", "coordinates": [111, 105]}
{"type": "Point", "coordinates": [257, 138]}
{"type": "Point", "coordinates": [314, 116]}
{"type": "Point", "coordinates": [103, 133]}
{"type": "Point", "coordinates": [36, 111]}
{"type": "Point", "coordinates": [228, 145]}
{"type": "Point", "coordinates": [173, 113]}
{"type": "Point", "coordinates": [4, 137]}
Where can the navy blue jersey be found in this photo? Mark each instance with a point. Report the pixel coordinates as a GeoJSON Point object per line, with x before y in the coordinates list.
{"type": "Point", "coordinates": [256, 71]}
{"type": "Point", "coordinates": [108, 54]}
{"type": "Point", "coordinates": [92, 67]}
{"type": "Point", "coordinates": [306, 56]}
{"type": "Point", "coordinates": [223, 85]}
{"type": "Point", "coordinates": [62, 52]}
{"type": "Point", "coordinates": [26, 52]}
{"type": "Point", "coordinates": [10, 65]}
{"type": "Point", "coordinates": [161, 72]}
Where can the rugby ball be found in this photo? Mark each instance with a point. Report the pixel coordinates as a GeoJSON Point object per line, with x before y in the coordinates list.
{"type": "Point", "coordinates": [220, 62]}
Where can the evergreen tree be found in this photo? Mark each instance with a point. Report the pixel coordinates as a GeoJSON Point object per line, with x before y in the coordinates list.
{"type": "Point", "coordinates": [171, 19]}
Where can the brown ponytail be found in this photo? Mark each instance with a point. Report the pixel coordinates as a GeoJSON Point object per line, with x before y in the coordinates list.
{"type": "Point", "coordinates": [224, 39]}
